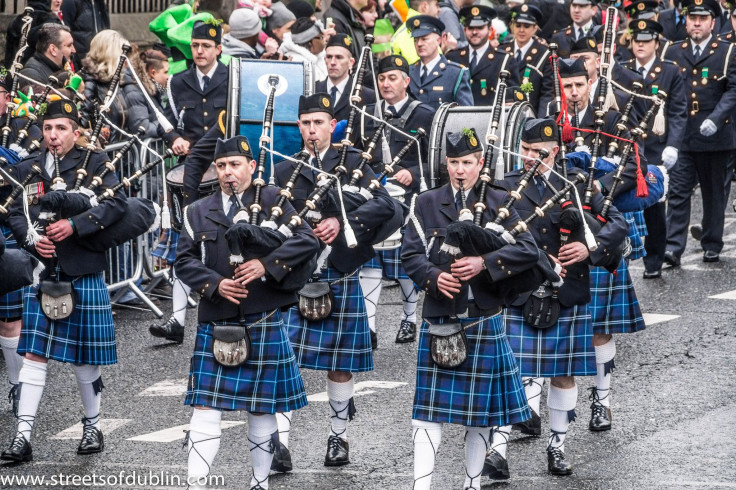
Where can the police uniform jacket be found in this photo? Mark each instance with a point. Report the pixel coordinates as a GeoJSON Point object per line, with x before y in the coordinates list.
{"type": "Point", "coordinates": [342, 107]}
{"type": "Point", "coordinates": [200, 159]}
{"type": "Point", "coordinates": [447, 82]}
{"type": "Point", "coordinates": [202, 256]}
{"type": "Point", "coordinates": [664, 76]}
{"type": "Point", "coordinates": [419, 117]}
{"type": "Point", "coordinates": [671, 30]}
{"type": "Point", "coordinates": [435, 209]}
{"type": "Point", "coordinates": [74, 259]}
{"type": "Point", "coordinates": [484, 76]}
{"type": "Point", "coordinates": [546, 232]}
{"type": "Point", "coordinates": [564, 38]}
{"type": "Point", "coordinates": [711, 86]}
{"type": "Point", "coordinates": [200, 108]}
{"type": "Point", "coordinates": [363, 219]}
{"type": "Point", "coordinates": [540, 70]}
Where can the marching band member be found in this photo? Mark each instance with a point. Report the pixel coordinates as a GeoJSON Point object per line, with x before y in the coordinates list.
{"type": "Point", "coordinates": [485, 390]}
{"type": "Point", "coordinates": [565, 349]}
{"type": "Point", "coordinates": [269, 380]}
{"type": "Point", "coordinates": [85, 339]}
{"type": "Point", "coordinates": [340, 342]}
{"type": "Point", "coordinates": [410, 115]}
{"type": "Point", "coordinates": [582, 13]}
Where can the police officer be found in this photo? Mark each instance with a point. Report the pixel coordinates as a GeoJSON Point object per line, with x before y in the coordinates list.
{"type": "Point", "coordinates": [340, 343]}
{"type": "Point", "coordinates": [434, 79]}
{"type": "Point", "coordinates": [707, 154]}
{"type": "Point", "coordinates": [269, 380]}
{"type": "Point", "coordinates": [485, 390]}
{"type": "Point", "coordinates": [484, 61]}
{"type": "Point", "coordinates": [543, 352]}
{"type": "Point", "coordinates": [408, 114]}
{"type": "Point", "coordinates": [531, 56]}
{"type": "Point", "coordinates": [85, 339]}
{"type": "Point", "coordinates": [659, 149]}
{"type": "Point", "coordinates": [637, 10]}
{"type": "Point", "coordinates": [582, 13]}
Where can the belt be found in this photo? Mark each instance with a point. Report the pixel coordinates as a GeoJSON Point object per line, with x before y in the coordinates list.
{"type": "Point", "coordinates": [475, 311]}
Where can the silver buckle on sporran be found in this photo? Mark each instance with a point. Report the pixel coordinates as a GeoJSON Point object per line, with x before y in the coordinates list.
{"type": "Point", "coordinates": [316, 301]}
{"type": "Point", "coordinates": [231, 344]}
{"type": "Point", "coordinates": [448, 344]}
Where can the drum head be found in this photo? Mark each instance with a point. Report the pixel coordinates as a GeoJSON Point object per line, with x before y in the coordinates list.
{"type": "Point", "coordinates": [516, 117]}
{"type": "Point", "coordinates": [175, 179]}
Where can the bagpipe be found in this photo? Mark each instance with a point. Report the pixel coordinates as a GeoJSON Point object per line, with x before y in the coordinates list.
{"type": "Point", "coordinates": [25, 29]}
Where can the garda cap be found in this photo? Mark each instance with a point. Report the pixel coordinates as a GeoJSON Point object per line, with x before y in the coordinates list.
{"type": "Point", "coordinates": [237, 146]}
{"type": "Point", "coordinates": [319, 102]}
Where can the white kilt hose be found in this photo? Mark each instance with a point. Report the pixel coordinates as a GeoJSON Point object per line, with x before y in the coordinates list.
{"type": "Point", "coordinates": [484, 391]}
{"type": "Point", "coordinates": [340, 342]}
{"type": "Point", "coordinates": [268, 382]}
{"type": "Point", "coordinates": [86, 337]}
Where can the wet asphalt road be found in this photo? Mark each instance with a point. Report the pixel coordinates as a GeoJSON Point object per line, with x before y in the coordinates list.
{"type": "Point", "coordinates": [673, 406]}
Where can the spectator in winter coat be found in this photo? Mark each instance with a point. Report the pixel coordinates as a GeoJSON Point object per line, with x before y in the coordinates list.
{"type": "Point", "coordinates": [305, 42]}
{"type": "Point", "coordinates": [41, 15]}
{"type": "Point", "coordinates": [54, 48]}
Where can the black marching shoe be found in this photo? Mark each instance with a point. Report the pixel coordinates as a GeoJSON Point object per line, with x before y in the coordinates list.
{"type": "Point", "coordinates": [407, 332]}
{"type": "Point", "coordinates": [92, 440]}
{"type": "Point", "coordinates": [171, 330]}
{"type": "Point", "coordinates": [697, 232]}
{"type": "Point", "coordinates": [338, 452]}
{"type": "Point", "coordinates": [556, 462]}
{"type": "Point", "coordinates": [19, 450]}
{"type": "Point", "coordinates": [257, 487]}
{"type": "Point", "coordinates": [653, 274]}
{"type": "Point", "coordinates": [710, 256]}
{"type": "Point", "coordinates": [14, 397]}
{"type": "Point", "coordinates": [531, 427]}
{"type": "Point", "coordinates": [671, 259]}
{"type": "Point", "coordinates": [374, 340]}
{"type": "Point", "coordinates": [281, 461]}
{"type": "Point", "coordinates": [495, 466]}
{"type": "Point", "coordinates": [600, 417]}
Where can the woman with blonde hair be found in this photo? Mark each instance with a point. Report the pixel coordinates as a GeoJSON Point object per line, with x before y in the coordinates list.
{"type": "Point", "coordinates": [129, 109]}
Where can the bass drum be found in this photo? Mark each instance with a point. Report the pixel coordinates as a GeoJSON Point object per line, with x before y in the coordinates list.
{"type": "Point", "coordinates": [451, 118]}
{"type": "Point", "coordinates": [175, 183]}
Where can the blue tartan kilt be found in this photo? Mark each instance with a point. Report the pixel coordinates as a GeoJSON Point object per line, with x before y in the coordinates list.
{"type": "Point", "coordinates": [484, 391]}
{"type": "Point", "coordinates": [390, 262]}
{"type": "Point", "coordinates": [166, 248]}
{"type": "Point", "coordinates": [614, 306]}
{"type": "Point", "coordinates": [268, 382]}
{"type": "Point", "coordinates": [565, 349]}
{"type": "Point", "coordinates": [637, 232]}
{"type": "Point", "coordinates": [11, 304]}
{"type": "Point", "coordinates": [340, 342]}
{"type": "Point", "coordinates": [86, 337]}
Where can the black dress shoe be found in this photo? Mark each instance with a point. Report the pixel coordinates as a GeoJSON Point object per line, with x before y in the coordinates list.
{"type": "Point", "coordinates": [171, 330]}
{"type": "Point", "coordinates": [374, 340]}
{"type": "Point", "coordinates": [14, 397]}
{"type": "Point", "coordinates": [556, 462]}
{"type": "Point", "coordinates": [710, 256]}
{"type": "Point", "coordinates": [697, 232]}
{"type": "Point", "coordinates": [495, 466]}
{"type": "Point", "coordinates": [338, 452]}
{"type": "Point", "coordinates": [19, 450]}
{"type": "Point", "coordinates": [92, 440]}
{"type": "Point", "coordinates": [653, 274]}
{"type": "Point", "coordinates": [407, 332]}
{"type": "Point", "coordinates": [281, 461]}
{"type": "Point", "coordinates": [531, 427]}
{"type": "Point", "coordinates": [671, 259]}
{"type": "Point", "coordinates": [600, 417]}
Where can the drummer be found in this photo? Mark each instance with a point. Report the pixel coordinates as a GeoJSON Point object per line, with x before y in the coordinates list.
{"type": "Point", "coordinates": [194, 96]}
{"type": "Point", "coordinates": [407, 114]}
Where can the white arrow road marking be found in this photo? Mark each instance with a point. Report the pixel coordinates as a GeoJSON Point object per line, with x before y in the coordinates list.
{"type": "Point", "coordinates": [653, 318]}
{"type": "Point", "coordinates": [726, 295]}
{"type": "Point", "coordinates": [360, 389]}
{"type": "Point", "coordinates": [176, 433]}
{"type": "Point", "coordinates": [167, 387]}
{"type": "Point", "coordinates": [106, 426]}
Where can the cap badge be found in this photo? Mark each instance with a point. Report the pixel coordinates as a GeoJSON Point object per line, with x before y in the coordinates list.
{"type": "Point", "coordinates": [244, 146]}
{"type": "Point", "coordinates": [641, 6]}
{"type": "Point", "coordinates": [524, 8]}
{"type": "Point", "coordinates": [698, 2]}
{"type": "Point", "coordinates": [473, 141]}
{"type": "Point", "coordinates": [213, 33]}
{"type": "Point", "coordinates": [68, 108]}
{"type": "Point", "coordinates": [348, 41]}
{"type": "Point", "coordinates": [548, 131]}
{"type": "Point", "coordinates": [641, 25]}
{"type": "Point", "coordinates": [475, 11]}
{"type": "Point", "coordinates": [519, 96]}
{"type": "Point", "coordinates": [416, 22]}
{"type": "Point", "coordinates": [398, 61]}
{"type": "Point", "coordinates": [325, 102]}
{"type": "Point", "coordinates": [591, 43]}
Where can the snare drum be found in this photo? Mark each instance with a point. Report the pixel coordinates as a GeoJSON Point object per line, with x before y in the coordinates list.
{"type": "Point", "coordinates": [394, 241]}
{"type": "Point", "coordinates": [175, 183]}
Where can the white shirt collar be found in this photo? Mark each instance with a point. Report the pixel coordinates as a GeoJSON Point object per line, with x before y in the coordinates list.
{"type": "Point", "coordinates": [585, 27]}
{"type": "Point", "coordinates": [647, 67]}
{"type": "Point", "coordinates": [430, 66]}
{"type": "Point", "coordinates": [480, 51]}
{"type": "Point", "coordinates": [399, 104]}
{"type": "Point", "coordinates": [201, 75]}
{"type": "Point", "coordinates": [226, 201]}
{"type": "Point", "coordinates": [340, 87]}
{"type": "Point", "coordinates": [523, 49]}
{"type": "Point", "coordinates": [703, 44]}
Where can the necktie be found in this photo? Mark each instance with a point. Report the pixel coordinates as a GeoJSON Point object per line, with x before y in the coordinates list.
{"type": "Point", "coordinates": [233, 207]}
{"type": "Point", "coordinates": [539, 182]}
{"type": "Point", "coordinates": [642, 71]}
{"type": "Point", "coordinates": [61, 16]}
{"type": "Point", "coordinates": [333, 94]}
{"type": "Point", "coordinates": [392, 110]}
{"type": "Point", "coordinates": [680, 20]}
{"type": "Point", "coordinates": [474, 60]}
{"type": "Point", "coordinates": [518, 56]}
{"type": "Point", "coordinates": [580, 33]}
{"type": "Point", "coordinates": [458, 201]}
{"type": "Point", "coordinates": [697, 52]}
{"type": "Point", "coordinates": [424, 74]}
{"type": "Point", "coordinates": [205, 82]}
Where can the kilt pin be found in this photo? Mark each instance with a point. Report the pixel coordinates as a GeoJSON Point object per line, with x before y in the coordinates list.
{"type": "Point", "coordinates": [268, 382]}
{"type": "Point", "coordinates": [340, 342]}
{"type": "Point", "coordinates": [86, 337]}
{"type": "Point", "coordinates": [484, 391]}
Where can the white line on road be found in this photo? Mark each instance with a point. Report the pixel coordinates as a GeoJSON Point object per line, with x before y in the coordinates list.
{"type": "Point", "coordinates": [654, 318]}
{"type": "Point", "coordinates": [726, 295]}
{"type": "Point", "coordinates": [360, 389]}
{"type": "Point", "coordinates": [176, 433]}
{"type": "Point", "coordinates": [75, 431]}
{"type": "Point", "coordinates": [167, 387]}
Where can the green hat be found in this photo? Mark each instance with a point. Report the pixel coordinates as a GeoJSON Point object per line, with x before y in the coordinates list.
{"type": "Point", "coordinates": [181, 35]}
{"type": "Point", "coordinates": [171, 17]}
